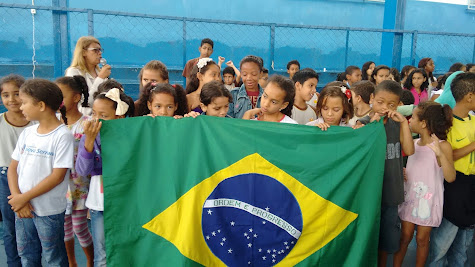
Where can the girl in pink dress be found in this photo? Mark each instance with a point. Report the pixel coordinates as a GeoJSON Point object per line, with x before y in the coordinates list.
{"type": "Point", "coordinates": [425, 173]}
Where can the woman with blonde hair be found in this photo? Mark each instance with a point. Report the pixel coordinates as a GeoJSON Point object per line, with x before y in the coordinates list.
{"type": "Point", "coordinates": [86, 59]}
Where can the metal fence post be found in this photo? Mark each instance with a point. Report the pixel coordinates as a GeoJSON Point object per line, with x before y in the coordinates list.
{"type": "Point", "coordinates": [347, 43]}
{"type": "Point", "coordinates": [90, 22]}
{"type": "Point", "coordinates": [272, 47]}
{"type": "Point", "coordinates": [184, 49]}
{"type": "Point", "coordinates": [473, 57]}
{"type": "Point", "coordinates": [61, 38]}
{"type": "Point", "coordinates": [413, 48]}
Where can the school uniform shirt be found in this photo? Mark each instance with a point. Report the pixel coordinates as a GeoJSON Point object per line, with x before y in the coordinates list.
{"type": "Point", "coordinates": [313, 101]}
{"type": "Point", "coordinates": [9, 134]}
{"type": "Point", "coordinates": [285, 119]}
{"type": "Point", "coordinates": [303, 116]}
{"type": "Point", "coordinates": [37, 156]}
{"type": "Point", "coordinates": [92, 84]}
{"type": "Point", "coordinates": [320, 120]}
{"type": "Point", "coordinates": [460, 135]}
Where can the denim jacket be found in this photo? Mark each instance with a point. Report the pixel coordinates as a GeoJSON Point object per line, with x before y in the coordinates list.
{"type": "Point", "coordinates": [242, 102]}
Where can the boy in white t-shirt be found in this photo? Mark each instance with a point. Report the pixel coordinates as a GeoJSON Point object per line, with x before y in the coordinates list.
{"type": "Point", "coordinates": [12, 123]}
{"type": "Point", "coordinates": [306, 81]}
{"type": "Point", "coordinates": [36, 176]}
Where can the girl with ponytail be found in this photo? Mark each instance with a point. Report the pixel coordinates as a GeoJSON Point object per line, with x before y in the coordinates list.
{"type": "Point", "coordinates": [426, 170]}
{"type": "Point", "coordinates": [38, 175]}
{"type": "Point", "coordinates": [75, 221]}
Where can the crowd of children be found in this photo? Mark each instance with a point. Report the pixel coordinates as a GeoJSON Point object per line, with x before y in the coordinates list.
{"type": "Point", "coordinates": [51, 166]}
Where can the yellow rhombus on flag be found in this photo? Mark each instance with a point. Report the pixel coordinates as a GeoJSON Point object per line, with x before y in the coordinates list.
{"type": "Point", "coordinates": [181, 223]}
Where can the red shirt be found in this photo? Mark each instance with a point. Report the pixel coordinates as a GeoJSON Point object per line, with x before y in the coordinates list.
{"type": "Point", "coordinates": [253, 96]}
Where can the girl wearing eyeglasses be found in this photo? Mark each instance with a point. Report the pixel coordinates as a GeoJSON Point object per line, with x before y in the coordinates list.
{"type": "Point", "coordinates": [86, 59]}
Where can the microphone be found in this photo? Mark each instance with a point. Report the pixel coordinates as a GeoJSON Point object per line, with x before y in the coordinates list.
{"type": "Point", "coordinates": [103, 61]}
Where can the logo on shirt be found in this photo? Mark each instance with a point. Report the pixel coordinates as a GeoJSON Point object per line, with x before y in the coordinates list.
{"type": "Point", "coordinates": [458, 140]}
{"type": "Point", "coordinates": [32, 150]}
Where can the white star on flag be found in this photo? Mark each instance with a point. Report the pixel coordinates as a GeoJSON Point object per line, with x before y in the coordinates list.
{"type": "Point", "coordinates": [273, 260]}
{"type": "Point", "coordinates": [287, 247]}
{"type": "Point", "coordinates": [274, 250]}
{"type": "Point", "coordinates": [224, 239]}
{"type": "Point", "coordinates": [213, 233]}
{"type": "Point", "coordinates": [260, 250]}
{"type": "Point", "coordinates": [207, 237]}
{"type": "Point", "coordinates": [245, 234]}
{"type": "Point", "coordinates": [249, 245]}
{"type": "Point", "coordinates": [292, 242]}
{"type": "Point", "coordinates": [219, 231]}
{"type": "Point", "coordinates": [285, 243]}
{"type": "Point", "coordinates": [222, 244]}
{"type": "Point", "coordinates": [264, 258]}
{"type": "Point", "coordinates": [248, 237]}
{"type": "Point", "coordinates": [268, 251]}
{"type": "Point", "coordinates": [255, 235]}
{"type": "Point", "coordinates": [273, 255]}
{"type": "Point", "coordinates": [210, 211]}
{"type": "Point", "coordinates": [232, 223]}
{"type": "Point", "coordinates": [263, 222]}
{"type": "Point", "coordinates": [230, 251]}
{"type": "Point", "coordinates": [267, 209]}
{"type": "Point", "coordinates": [250, 230]}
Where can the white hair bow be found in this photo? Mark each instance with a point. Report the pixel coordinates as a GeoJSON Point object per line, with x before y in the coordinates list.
{"type": "Point", "coordinates": [114, 95]}
{"type": "Point", "coordinates": [203, 62]}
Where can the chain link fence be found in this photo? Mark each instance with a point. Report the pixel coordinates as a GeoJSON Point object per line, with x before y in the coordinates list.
{"type": "Point", "coordinates": [42, 44]}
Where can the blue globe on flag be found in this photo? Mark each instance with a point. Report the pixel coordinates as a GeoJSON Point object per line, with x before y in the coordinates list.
{"type": "Point", "coordinates": [251, 220]}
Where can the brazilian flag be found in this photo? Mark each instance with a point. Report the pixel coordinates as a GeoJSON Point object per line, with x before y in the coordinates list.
{"type": "Point", "coordinates": [226, 192]}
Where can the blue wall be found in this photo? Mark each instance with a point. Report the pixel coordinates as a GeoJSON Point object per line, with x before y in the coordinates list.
{"type": "Point", "coordinates": [130, 42]}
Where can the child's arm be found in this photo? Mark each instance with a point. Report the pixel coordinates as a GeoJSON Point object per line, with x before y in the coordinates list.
{"type": "Point", "coordinates": [462, 152]}
{"type": "Point", "coordinates": [85, 160]}
{"type": "Point", "coordinates": [192, 114]}
{"type": "Point", "coordinates": [443, 152]}
{"type": "Point", "coordinates": [25, 211]}
{"type": "Point", "coordinates": [407, 143]}
{"type": "Point", "coordinates": [236, 71]}
{"type": "Point", "coordinates": [18, 201]}
{"type": "Point", "coordinates": [250, 114]}
{"type": "Point", "coordinates": [220, 61]}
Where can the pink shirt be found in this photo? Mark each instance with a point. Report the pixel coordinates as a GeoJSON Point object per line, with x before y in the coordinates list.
{"type": "Point", "coordinates": [419, 98]}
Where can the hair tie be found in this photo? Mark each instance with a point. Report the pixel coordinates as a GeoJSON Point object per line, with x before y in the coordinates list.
{"type": "Point", "coordinates": [203, 62]}
{"type": "Point", "coordinates": [114, 95]}
{"type": "Point", "coordinates": [346, 91]}
{"type": "Point", "coordinates": [174, 86]}
{"type": "Point", "coordinates": [62, 105]}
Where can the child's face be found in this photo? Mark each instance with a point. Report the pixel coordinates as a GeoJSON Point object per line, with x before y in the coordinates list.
{"type": "Point", "coordinates": [263, 80]}
{"type": "Point", "coordinates": [308, 89]}
{"type": "Point", "coordinates": [228, 79]}
{"type": "Point", "coordinates": [70, 98]}
{"type": "Point", "coordinates": [250, 74]}
{"type": "Point", "coordinates": [370, 70]}
{"type": "Point", "coordinates": [430, 66]}
{"type": "Point", "coordinates": [92, 54]}
{"type": "Point", "coordinates": [152, 76]}
{"type": "Point", "coordinates": [382, 75]}
{"type": "Point", "coordinates": [384, 101]}
{"type": "Point", "coordinates": [103, 109]}
{"type": "Point", "coordinates": [472, 69]}
{"type": "Point", "coordinates": [29, 107]}
{"type": "Point", "coordinates": [417, 80]}
{"type": "Point", "coordinates": [212, 74]}
{"type": "Point", "coordinates": [272, 100]}
{"type": "Point", "coordinates": [332, 110]}
{"type": "Point", "coordinates": [162, 105]}
{"type": "Point", "coordinates": [205, 50]}
{"type": "Point", "coordinates": [11, 97]}
{"type": "Point", "coordinates": [354, 77]}
{"type": "Point", "coordinates": [292, 70]}
{"type": "Point", "coordinates": [414, 123]}
{"type": "Point", "coordinates": [218, 107]}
